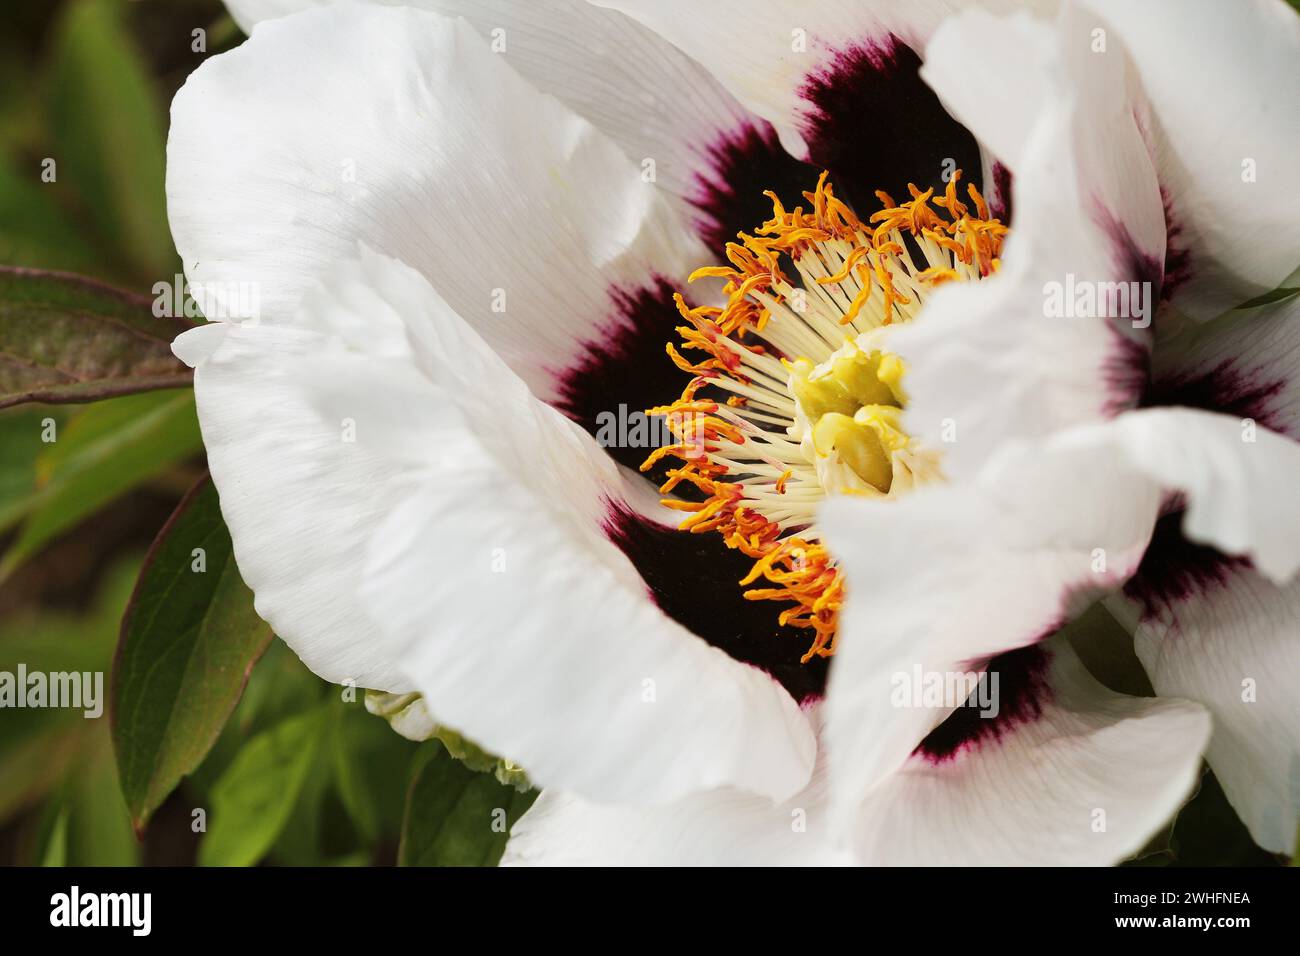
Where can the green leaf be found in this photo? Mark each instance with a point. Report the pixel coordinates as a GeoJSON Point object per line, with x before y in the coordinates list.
{"type": "Point", "coordinates": [1268, 298]}
{"type": "Point", "coordinates": [371, 767]}
{"type": "Point", "coordinates": [190, 638]}
{"type": "Point", "coordinates": [280, 687]}
{"type": "Point", "coordinates": [252, 800]}
{"type": "Point", "coordinates": [455, 816]}
{"type": "Point", "coordinates": [108, 131]}
{"type": "Point", "coordinates": [301, 842]}
{"type": "Point", "coordinates": [55, 850]}
{"type": "Point", "coordinates": [64, 338]}
{"type": "Point", "coordinates": [104, 451]}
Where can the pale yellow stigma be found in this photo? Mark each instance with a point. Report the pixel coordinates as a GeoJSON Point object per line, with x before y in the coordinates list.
{"type": "Point", "coordinates": [806, 396]}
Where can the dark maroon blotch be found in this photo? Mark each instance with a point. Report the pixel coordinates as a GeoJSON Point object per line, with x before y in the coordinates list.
{"type": "Point", "coordinates": [1138, 265]}
{"type": "Point", "coordinates": [1177, 268]}
{"type": "Point", "coordinates": [1174, 569]}
{"type": "Point", "coordinates": [694, 579]}
{"type": "Point", "coordinates": [1227, 387]}
{"type": "Point", "coordinates": [875, 124]}
{"type": "Point", "coordinates": [1132, 262]}
{"type": "Point", "coordinates": [1224, 388]}
{"type": "Point", "coordinates": [1023, 690]}
{"type": "Point", "coordinates": [1127, 372]}
{"type": "Point", "coordinates": [628, 366]}
{"type": "Point", "coordinates": [743, 163]}
{"type": "Point", "coordinates": [999, 196]}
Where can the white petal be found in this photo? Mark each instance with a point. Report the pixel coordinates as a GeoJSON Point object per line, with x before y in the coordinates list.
{"type": "Point", "coordinates": [1031, 796]}
{"type": "Point", "coordinates": [1239, 482]}
{"type": "Point", "coordinates": [248, 13]}
{"type": "Point", "coordinates": [499, 593]}
{"type": "Point", "coordinates": [300, 503]}
{"type": "Point", "coordinates": [1220, 79]}
{"type": "Point", "coordinates": [535, 638]}
{"type": "Point", "coordinates": [328, 446]}
{"type": "Point", "coordinates": [402, 129]}
{"type": "Point", "coordinates": [720, 828]}
{"type": "Point", "coordinates": [1057, 94]}
{"type": "Point", "coordinates": [767, 53]}
{"type": "Point", "coordinates": [1013, 355]}
{"type": "Point", "coordinates": [949, 576]}
{"type": "Point", "coordinates": [1211, 628]}
{"type": "Point", "coordinates": [836, 78]}
{"type": "Point", "coordinates": [1231, 644]}
{"type": "Point", "coordinates": [1085, 782]}
{"type": "Point", "coordinates": [1245, 364]}
{"type": "Point", "coordinates": [646, 95]}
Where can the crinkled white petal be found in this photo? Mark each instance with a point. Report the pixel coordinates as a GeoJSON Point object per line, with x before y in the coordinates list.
{"type": "Point", "coordinates": [1231, 643]}
{"type": "Point", "coordinates": [248, 13]}
{"type": "Point", "coordinates": [1227, 636]}
{"type": "Point", "coordinates": [766, 52]}
{"type": "Point", "coordinates": [1085, 783]}
{"type": "Point", "coordinates": [1239, 482]}
{"type": "Point", "coordinates": [720, 828]}
{"type": "Point", "coordinates": [402, 129]}
{"type": "Point", "coordinates": [301, 502]}
{"type": "Point", "coordinates": [493, 584]}
{"type": "Point", "coordinates": [949, 576]}
{"type": "Point", "coordinates": [1221, 80]}
{"type": "Point", "coordinates": [651, 99]}
{"type": "Point", "coordinates": [1021, 354]}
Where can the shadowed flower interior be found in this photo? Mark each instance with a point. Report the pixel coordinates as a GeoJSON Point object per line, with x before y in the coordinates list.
{"type": "Point", "coordinates": [798, 396]}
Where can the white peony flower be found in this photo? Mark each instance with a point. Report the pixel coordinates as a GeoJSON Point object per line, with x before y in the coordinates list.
{"type": "Point", "coordinates": [467, 235]}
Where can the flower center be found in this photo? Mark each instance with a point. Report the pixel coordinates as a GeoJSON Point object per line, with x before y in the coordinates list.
{"type": "Point", "coordinates": [797, 396]}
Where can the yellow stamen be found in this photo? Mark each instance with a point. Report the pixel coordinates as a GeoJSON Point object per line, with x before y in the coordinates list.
{"type": "Point", "coordinates": [806, 415]}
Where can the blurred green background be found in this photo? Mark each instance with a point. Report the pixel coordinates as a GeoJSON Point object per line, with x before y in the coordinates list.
{"type": "Point", "coordinates": [86, 85]}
